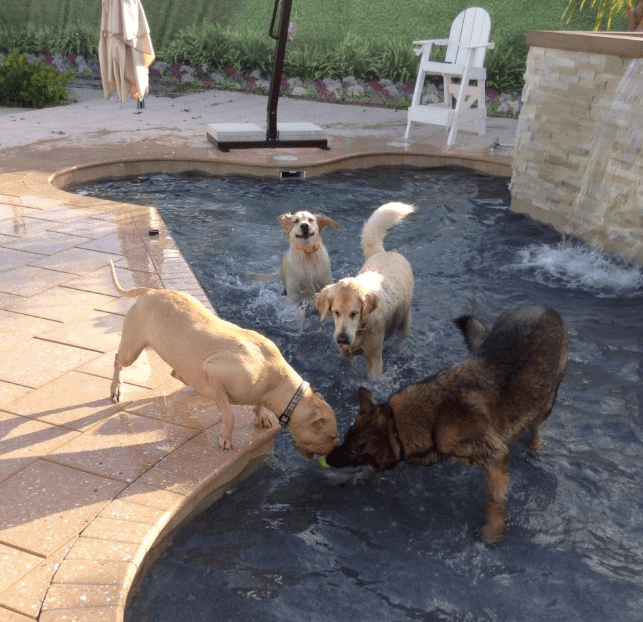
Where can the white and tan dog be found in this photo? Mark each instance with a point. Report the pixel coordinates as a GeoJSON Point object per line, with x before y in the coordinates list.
{"type": "Point", "coordinates": [376, 302]}
{"type": "Point", "coordinates": [224, 362]}
{"type": "Point", "coordinates": [305, 267]}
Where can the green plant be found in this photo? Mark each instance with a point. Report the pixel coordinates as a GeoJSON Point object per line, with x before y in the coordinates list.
{"type": "Point", "coordinates": [353, 57]}
{"type": "Point", "coordinates": [80, 39]}
{"type": "Point", "coordinates": [303, 60]}
{"type": "Point", "coordinates": [395, 60]}
{"type": "Point", "coordinates": [30, 85]}
{"type": "Point", "coordinates": [492, 107]}
{"type": "Point", "coordinates": [403, 103]}
{"type": "Point", "coordinates": [606, 8]}
{"type": "Point", "coordinates": [186, 45]}
{"type": "Point", "coordinates": [506, 66]}
{"type": "Point", "coordinates": [23, 38]}
{"type": "Point", "coordinates": [170, 78]}
{"type": "Point", "coordinates": [188, 87]}
{"type": "Point", "coordinates": [311, 91]}
{"type": "Point", "coordinates": [77, 38]}
{"type": "Point", "coordinates": [253, 51]}
{"type": "Point", "coordinates": [215, 45]}
{"type": "Point", "coordinates": [230, 85]}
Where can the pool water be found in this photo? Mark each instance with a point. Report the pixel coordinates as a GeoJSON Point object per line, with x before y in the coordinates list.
{"type": "Point", "coordinates": [296, 542]}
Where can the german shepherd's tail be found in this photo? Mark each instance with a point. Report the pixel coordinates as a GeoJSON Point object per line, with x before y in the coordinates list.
{"type": "Point", "coordinates": [473, 330]}
{"type": "Point", "coordinates": [376, 227]}
{"type": "Point", "coordinates": [131, 293]}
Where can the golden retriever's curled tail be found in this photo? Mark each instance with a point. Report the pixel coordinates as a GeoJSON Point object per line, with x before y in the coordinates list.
{"type": "Point", "coordinates": [131, 293]}
{"type": "Point", "coordinates": [381, 220]}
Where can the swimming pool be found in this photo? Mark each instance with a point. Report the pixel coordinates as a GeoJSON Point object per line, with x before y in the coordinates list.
{"type": "Point", "coordinates": [295, 542]}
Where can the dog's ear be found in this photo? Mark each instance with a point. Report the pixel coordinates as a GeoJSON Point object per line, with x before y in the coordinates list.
{"type": "Point", "coordinates": [325, 221]}
{"type": "Point", "coordinates": [323, 301]}
{"type": "Point", "coordinates": [369, 304]}
{"type": "Point", "coordinates": [286, 223]}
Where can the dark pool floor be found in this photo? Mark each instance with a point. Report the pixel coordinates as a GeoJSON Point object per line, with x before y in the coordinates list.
{"type": "Point", "coordinates": [296, 542]}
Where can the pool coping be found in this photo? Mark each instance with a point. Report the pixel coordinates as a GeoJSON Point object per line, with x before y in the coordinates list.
{"type": "Point", "coordinates": [90, 572]}
{"type": "Point", "coordinates": [624, 44]}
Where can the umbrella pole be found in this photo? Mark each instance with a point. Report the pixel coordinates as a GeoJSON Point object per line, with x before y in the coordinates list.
{"type": "Point", "coordinates": [226, 136]}
{"type": "Point", "coordinates": [278, 65]}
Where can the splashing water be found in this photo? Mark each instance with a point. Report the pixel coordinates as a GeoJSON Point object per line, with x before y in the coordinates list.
{"type": "Point", "coordinates": [581, 268]}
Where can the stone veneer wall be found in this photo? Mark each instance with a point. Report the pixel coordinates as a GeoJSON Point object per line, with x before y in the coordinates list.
{"type": "Point", "coordinates": [570, 87]}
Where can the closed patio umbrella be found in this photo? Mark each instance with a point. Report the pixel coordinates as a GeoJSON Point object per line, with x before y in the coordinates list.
{"type": "Point", "coordinates": [125, 49]}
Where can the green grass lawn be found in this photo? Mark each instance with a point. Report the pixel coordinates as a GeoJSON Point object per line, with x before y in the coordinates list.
{"type": "Point", "coordinates": [317, 20]}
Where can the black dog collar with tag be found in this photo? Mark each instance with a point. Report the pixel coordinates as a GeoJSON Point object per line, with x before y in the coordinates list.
{"type": "Point", "coordinates": [284, 418]}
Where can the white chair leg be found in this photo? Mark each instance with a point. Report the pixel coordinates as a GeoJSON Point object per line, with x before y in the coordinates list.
{"type": "Point", "coordinates": [448, 95]}
{"type": "Point", "coordinates": [452, 133]}
{"type": "Point", "coordinates": [464, 85]}
{"type": "Point", "coordinates": [417, 96]}
{"type": "Point", "coordinates": [482, 124]}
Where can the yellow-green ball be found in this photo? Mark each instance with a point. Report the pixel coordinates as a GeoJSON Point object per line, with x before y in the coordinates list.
{"type": "Point", "coordinates": [321, 461]}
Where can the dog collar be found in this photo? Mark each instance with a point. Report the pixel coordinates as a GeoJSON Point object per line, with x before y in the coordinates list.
{"type": "Point", "coordinates": [284, 418]}
{"type": "Point", "coordinates": [308, 251]}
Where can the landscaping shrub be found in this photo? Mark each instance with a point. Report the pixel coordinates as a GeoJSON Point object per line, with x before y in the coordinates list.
{"type": "Point", "coordinates": [30, 85]}
{"type": "Point", "coordinates": [27, 39]}
{"type": "Point", "coordinates": [216, 46]}
{"type": "Point", "coordinates": [81, 39]}
{"type": "Point", "coordinates": [506, 67]}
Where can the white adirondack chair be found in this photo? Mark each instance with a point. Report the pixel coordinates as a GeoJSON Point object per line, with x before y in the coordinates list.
{"type": "Point", "coordinates": [467, 45]}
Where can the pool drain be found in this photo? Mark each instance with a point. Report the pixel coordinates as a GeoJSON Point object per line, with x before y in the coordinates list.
{"type": "Point", "coordinates": [297, 174]}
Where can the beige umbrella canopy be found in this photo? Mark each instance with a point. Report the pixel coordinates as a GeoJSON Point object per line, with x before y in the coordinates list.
{"type": "Point", "coordinates": [125, 49]}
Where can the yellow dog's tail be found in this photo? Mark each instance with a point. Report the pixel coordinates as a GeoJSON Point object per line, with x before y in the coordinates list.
{"type": "Point", "coordinates": [131, 293]}
{"type": "Point", "coordinates": [381, 220]}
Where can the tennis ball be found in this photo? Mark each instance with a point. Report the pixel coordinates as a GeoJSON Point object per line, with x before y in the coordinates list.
{"type": "Point", "coordinates": [321, 461]}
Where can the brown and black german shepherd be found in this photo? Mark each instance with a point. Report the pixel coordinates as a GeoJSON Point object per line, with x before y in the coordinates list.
{"type": "Point", "coordinates": [469, 414]}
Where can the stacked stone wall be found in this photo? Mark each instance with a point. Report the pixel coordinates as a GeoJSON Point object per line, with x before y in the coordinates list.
{"type": "Point", "coordinates": [568, 110]}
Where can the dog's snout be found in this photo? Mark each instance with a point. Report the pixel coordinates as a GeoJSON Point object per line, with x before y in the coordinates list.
{"type": "Point", "coordinates": [305, 228]}
{"type": "Point", "coordinates": [343, 339]}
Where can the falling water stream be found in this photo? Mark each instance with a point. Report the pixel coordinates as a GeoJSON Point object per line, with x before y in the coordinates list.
{"type": "Point", "coordinates": [611, 192]}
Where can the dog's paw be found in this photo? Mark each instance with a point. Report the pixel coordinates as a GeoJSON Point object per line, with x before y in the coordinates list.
{"type": "Point", "coordinates": [375, 371]}
{"type": "Point", "coordinates": [493, 534]}
{"type": "Point", "coordinates": [264, 421]}
{"type": "Point", "coordinates": [225, 443]}
{"type": "Point", "coordinates": [117, 394]}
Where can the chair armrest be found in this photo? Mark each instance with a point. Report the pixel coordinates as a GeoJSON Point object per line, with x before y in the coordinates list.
{"type": "Point", "coordinates": [426, 45]}
{"type": "Point", "coordinates": [489, 46]}
{"type": "Point", "coordinates": [434, 41]}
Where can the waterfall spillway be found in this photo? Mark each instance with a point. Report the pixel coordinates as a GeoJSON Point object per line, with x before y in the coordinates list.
{"type": "Point", "coordinates": [610, 199]}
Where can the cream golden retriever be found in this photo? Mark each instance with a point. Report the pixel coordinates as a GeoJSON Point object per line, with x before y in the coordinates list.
{"type": "Point", "coordinates": [370, 306]}
{"type": "Point", "coordinates": [305, 267]}
{"type": "Point", "coordinates": [224, 362]}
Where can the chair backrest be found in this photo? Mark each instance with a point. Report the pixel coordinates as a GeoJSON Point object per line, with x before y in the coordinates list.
{"type": "Point", "coordinates": [470, 27]}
